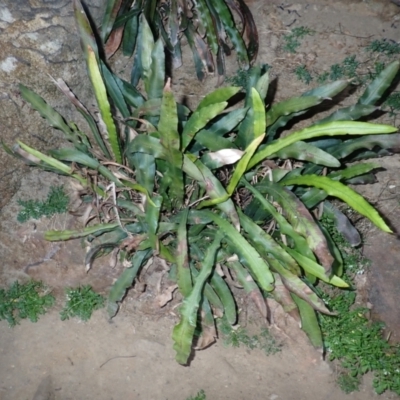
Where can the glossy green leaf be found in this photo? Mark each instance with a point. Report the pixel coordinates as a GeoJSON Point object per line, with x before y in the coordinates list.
{"type": "Point", "coordinates": [49, 113]}
{"type": "Point", "coordinates": [114, 90]}
{"type": "Point", "coordinates": [154, 79]}
{"type": "Point", "coordinates": [295, 285]}
{"type": "Point", "coordinates": [76, 234]}
{"type": "Point", "coordinates": [240, 169]}
{"type": "Point", "coordinates": [168, 124]}
{"type": "Point", "coordinates": [209, 292]}
{"type": "Point", "coordinates": [284, 226]}
{"type": "Point", "coordinates": [259, 124]}
{"type": "Point", "coordinates": [309, 322]}
{"type": "Point", "coordinates": [343, 192]}
{"type": "Point", "coordinates": [218, 96]}
{"type": "Point", "coordinates": [125, 280]}
{"type": "Point", "coordinates": [262, 240]}
{"type": "Point", "coordinates": [109, 16]}
{"type": "Point", "coordinates": [328, 129]}
{"type": "Point", "coordinates": [182, 258]}
{"type": "Point", "coordinates": [282, 295]}
{"type": "Point", "coordinates": [302, 222]}
{"type": "Point", "coordinates": [315, 269]}
{"type": "Point", "coordinates": [307, 152]}
{"type": "Point", "coordinates": [351, 113]}
{"type": "Point", "coordinates": [152, 217]}
{"type": "Point", "coordinates": [199, 61]}
{"type": "Point", "coordinates": [104, 105]}
{"type": "Point", "coordinates": [76, 156]}
{"type": "Point", "coordinates": [314, 195]}
{"type": "Point", "coordinates": [262, 86]}
{"type": "Point", "coordinates": [228, 23]}
{"type": "Point", "coordinates": [132, 96]}
{"type": "Point", "coordinates": [206, 21]}
{"type": "Point", "coordinates": [54, 163]}
{"type": "Point", "coordinates": [131, 29]}
{"type": "Point", "coordinates": [224, 293]}
{"type": "Point", "coordinates": [380, 84]}
{"type": "Point", "coordinates": [146, 47]}
{"type": "Point", "coordinates": [169, 138]}
{"type": "Point", "coordinates": [367, 142]}
{"type": "Point", "coordinates": [145, 168]}
{"type": "Point", "coordinates": [214, 188]}
{"type": "Point", "coordinates": [246, 252]}
{"type": "Point", "coordinates": [184, 331]}
{"type": "Point", "coordinates": [250, 287]}
{"type": "Point", "coordinates": [199, 119]}
{"type": "Point", "coordinates": [290, 106]}
{"type": "Point", "coordinates": [324, 92]}
{"type": "Point", "coordinates": [86, 34]}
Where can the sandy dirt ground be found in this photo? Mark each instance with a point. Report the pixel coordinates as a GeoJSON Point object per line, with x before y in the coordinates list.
{"type": "Point", "coordinates": [132, 356]}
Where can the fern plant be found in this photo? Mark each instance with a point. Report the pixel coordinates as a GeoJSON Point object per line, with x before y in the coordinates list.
{"type": "Point", "coordinates": [214, 187]}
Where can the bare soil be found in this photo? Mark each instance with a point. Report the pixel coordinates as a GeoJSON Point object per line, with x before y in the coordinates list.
{"type": "Point", "coordinates": [132, 356]}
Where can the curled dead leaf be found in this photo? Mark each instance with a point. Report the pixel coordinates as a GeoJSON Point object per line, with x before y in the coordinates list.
{"type": "Point", "coordinates": [166, 296]}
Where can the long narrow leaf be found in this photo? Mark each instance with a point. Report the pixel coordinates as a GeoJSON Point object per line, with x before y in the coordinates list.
{"type": "Point", "coordinates": [380, 84]}
{"type": "Point", "coordinates": [125, 281]}
{"type": "Point", "coordinates": [183, 332]}
{"type": "Point", "coordinates": [57, 165]}
{"type": "Point", "coordinates": [309, 322]}
{"type": "Point", "coordinates": [328, 129]}
{"type": "Point", "coordinates": [90, 230]}
{"type": "Point", "coordinates": [343, 192]}
{"type": "Point", "coordinates": [103, 104]}
{"type": "Point", "coordinates": [246, 252]}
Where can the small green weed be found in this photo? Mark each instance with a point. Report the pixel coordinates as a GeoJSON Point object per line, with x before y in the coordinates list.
{"type": "Point", "coordinates": [56, 203]}
{"type": "Point", "coordinates": [303, 74]}
{"type": "Point", "coordinates": [384, 46]}
{"type": "Point", "coordinates": [81, 303]}
{"type": "Point", "coordinates": [354, 340]}
{"type": "Point", "coordinates": [201, 395]}
{"type": "Point", "coordinates": [393, 102]}
{"type": "Point", "coordinates": [347, 69]}
{"type": "Point", "coordinates": [240, 337]}
{"type": "Point", "coordinates": [292, 41]}
{"type": "Point", "coordinates": [358, 344]}
{"type": "Point", "coordinates": [28, 300]}
{"type": "Point", "coordinates": [241, 78]}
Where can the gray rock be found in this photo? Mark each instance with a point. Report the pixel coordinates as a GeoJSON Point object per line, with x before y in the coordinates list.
{"type": "Point", "coordinates": [38, 38]}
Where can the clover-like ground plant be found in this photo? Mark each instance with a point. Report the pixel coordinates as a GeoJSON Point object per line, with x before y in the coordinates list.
{"type": "Point", "coordinates": [233, 188]}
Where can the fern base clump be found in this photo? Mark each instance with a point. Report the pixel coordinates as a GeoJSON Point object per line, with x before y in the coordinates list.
{"type": "Point", "coordinates": [223, 196]}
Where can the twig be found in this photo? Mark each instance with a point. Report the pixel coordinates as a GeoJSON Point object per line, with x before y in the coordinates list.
{"type": "Point", "coordinates": [112, 358]}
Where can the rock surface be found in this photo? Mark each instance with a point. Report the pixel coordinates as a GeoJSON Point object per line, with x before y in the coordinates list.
{"type": "Point", "coordinates": [37, 38]}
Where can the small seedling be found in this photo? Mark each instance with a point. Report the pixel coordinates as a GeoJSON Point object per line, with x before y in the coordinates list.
{"type": "Point", "coordinates": [393, 102]}
{"type": "Point", "coordinates": [347, 69]}
{"type": "Point", "coordinates": [240, 337]}
{"type": "Point", "coordinates": [56, 203]}
{"type": "Point", "coordinates": [241, 78]}
{"type": "Point", "coordinates": [384, 46]}
{"type": "Point", "coordinates": [201, 395]}
{"type": "Point", "coordinates": [81, 303]}
{"type": "Point", "coordinates": [28, 300]}
{"type": "Point", "coordinates": [303, 74]}
{"type": "Point", "coordinates": [292, 40]}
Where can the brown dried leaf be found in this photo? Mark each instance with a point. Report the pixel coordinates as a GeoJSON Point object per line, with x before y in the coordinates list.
{"type": "Point", "coordinates": [166, 296]}
{"type": "Point", "coordinates": [114, 41]}
{"type": "Point", "coordinates": [207, 338]}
